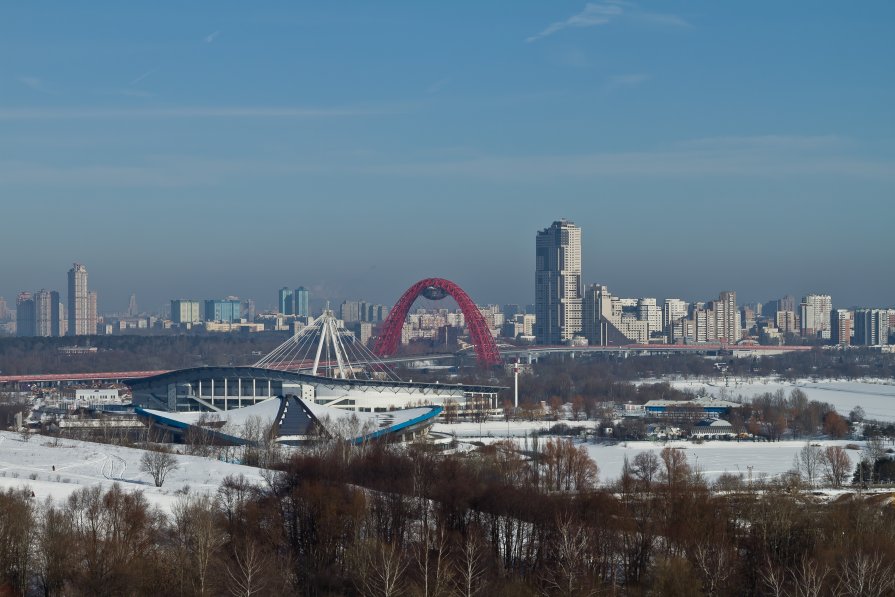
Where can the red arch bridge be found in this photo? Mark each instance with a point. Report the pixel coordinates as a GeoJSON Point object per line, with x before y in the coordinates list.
{"type": "Point", "coordinates": [436, 289]}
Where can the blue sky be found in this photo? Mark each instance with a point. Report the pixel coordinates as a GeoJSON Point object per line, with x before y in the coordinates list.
{"type": "Point", "coordinates": [225, 148]}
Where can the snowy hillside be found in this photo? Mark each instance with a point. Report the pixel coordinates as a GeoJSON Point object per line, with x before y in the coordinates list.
{"type": "Point", "coordinates": [78, 464]}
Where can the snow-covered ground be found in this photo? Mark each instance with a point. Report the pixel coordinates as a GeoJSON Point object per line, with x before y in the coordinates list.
{"type": "Point", "coordinates": [876, 397]}
{"type": "Point", "coordinates": [713, 458]}
{"type": "Point", "coordinates": [500, 429]}
{"type": "Point", "coordinates": [79, 464]}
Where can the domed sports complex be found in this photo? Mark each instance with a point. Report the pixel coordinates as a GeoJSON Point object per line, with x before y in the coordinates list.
{"type": "Point", "coordinates": [321, 382]}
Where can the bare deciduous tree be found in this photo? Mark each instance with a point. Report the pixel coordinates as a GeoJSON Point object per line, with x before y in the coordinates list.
{"type": "Point", "coordinates": [715, 565]}
{"type": "Point", "coordinates": [571, 546]}
{"type": "Point", "coordinates": [874, 450]}
{"type": "Point", "coordinates": [807, 462]}
{"type": "Point", "coordinates": [836, 465]}
{"type": "Point", "coordinates": [382, 569]}
{"type": "Point", "coordinates": [774, 578]}
{"type": "Point", "coordinates": [246, 576]}
{"type": "Point", "coordinates": [198, 537]}
{"type": "Point", "coordinates": [471, 566]}
{"type": "Point", "coordinates": [808, 578]}
{"type": "Point", "coordinates": [158, 465]}
{"type": "Point", "coordinates": [676, 470]}
{"type": "Point", "coordinates": [863, 575]}
{"type": "Point", "coordinates": [432, 562]}
{"type": "Point", "coordinates": [645, 467]}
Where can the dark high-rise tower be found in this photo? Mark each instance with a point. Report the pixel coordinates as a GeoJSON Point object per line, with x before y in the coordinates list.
{"type": "Point", "coordinates": [558, 288]}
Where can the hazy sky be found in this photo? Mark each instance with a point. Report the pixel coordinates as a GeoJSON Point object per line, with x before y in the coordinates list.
{"type": "Point", "coordinates": [200, 150]}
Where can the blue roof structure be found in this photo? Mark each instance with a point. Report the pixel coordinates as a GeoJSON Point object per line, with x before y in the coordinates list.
{"type": "Point", "coordinates": [295, 420]}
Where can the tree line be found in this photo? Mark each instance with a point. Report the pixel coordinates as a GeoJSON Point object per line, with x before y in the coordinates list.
{"type": "Point", "coordinates": [507, 519]}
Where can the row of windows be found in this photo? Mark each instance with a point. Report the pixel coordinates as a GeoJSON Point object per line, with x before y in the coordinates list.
{"type": "Point", "coordinates": [230, 387]}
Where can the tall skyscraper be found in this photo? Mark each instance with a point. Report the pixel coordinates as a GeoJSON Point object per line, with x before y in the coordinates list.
{"type": "Point", "coordinates": [871, 327]}
{"type": "Point", "coordinates": [248, 310]}
{"type": "Point", "coordinates": [841, 327]}
{"type": "Point", "coordinates": [25, 324]}
{"type": "Point", "coordinates": [285, 304]}
{"type": "Point", "coordinates": [727, 317]}
{"type": "Point", "coordinates": [4, 310]}
{"type": "Point", "coordinates": [92, 319]}
{"type": "Point", "coordinates": [814, 315]}
{"type": "Point", "coordinates": [46, 313]}
{"type": "Point", "coordinates": [132, 309]}
{"type": "Point", "coordinates": [558, 288]}
{"type": "Point", "coordinates": [81, 317]}
{"type": "Point", "coordinates": [300, 300]}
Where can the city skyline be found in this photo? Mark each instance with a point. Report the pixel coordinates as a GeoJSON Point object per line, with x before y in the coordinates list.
{"type": "Point", "coordinates": [696, 146]}
{"type": "Point", "coordinates": [272, 303]}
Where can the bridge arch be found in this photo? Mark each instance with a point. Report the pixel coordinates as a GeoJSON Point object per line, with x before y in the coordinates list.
{"type": "Point", "coordinates": [436, 288]}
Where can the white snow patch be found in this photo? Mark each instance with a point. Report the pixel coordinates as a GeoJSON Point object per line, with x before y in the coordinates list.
{"type": "Point", "coordinates": [80, 464]}
{"type": "Point", "coordinates": [875, 396]}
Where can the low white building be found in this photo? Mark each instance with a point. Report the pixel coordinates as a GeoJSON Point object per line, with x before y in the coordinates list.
{"type": "Point", "coordinates": [714, 428]}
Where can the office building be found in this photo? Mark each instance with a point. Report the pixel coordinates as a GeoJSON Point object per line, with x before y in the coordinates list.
{"type": "Point", "coordinates": [226, 311]}
{"type": "Point", "coordinates": [747, 319]}
{"type": "Point", "coordinates": [47, 314]}
{"type": "Point", "coordinates": [814, 316]}
{"type": "Point", "coordinates": [25, 320]}
{"type": "Point", "coordinates": [363, 331]}
{"type": "Point", "coordinates": [4, 310]}
{"type": "Point", "coordinates": [558, 287]}
{"type": "Point", "coordinates": [285, 301]}
{"type": "Point", "coordinates": [648, 311]}
{"type": "Point", "coordinates": [673, 310]}
{"type": "Point", "coordinates": [727, 317]}
{"type": "Point", "coordinates": [871, 327]}
{"type": "Point", "coordinates": [376, 313]}
{"type": "Point", "coordinates": [81, 303]}
{"type": "Point", "coordinates": [841, 327]}
{"type": "Point", "coordinates": [604, 320]}
{"type": "Point", "coordinates": [132, 309]}
{"type": "Point", "coordinates": [510, 311]}
{"type": "Point", "coordinates": [785, 322]}
{"type": "Point", "coordinates": [349, 311]}
{"type": "Point", "coordinates": [787, 303]}
{"type": "Point", "coordinates": [92, 318]}
{"type": "Point", "coordinates": [185, 312]}
{"type": "Point", "coordinates": [705, 324]}
{"type": "Point", "coordinates": [300, 302]}
{"type": "Point", "coordinates": [248, 310]}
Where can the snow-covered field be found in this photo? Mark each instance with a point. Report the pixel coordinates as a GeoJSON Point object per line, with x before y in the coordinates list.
{"type": "Point", "coordinates": [79, 464]}
{"type": "Point", "coordinates": [713, 458]}
{"type": "Point", "coordinates": [499, 429]}
{"type": "Point", "coordinates": [876, 397]}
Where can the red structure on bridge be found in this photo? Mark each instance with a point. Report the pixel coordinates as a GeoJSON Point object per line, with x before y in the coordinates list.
{"type": "Point", "coordinates": [436, 289]}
